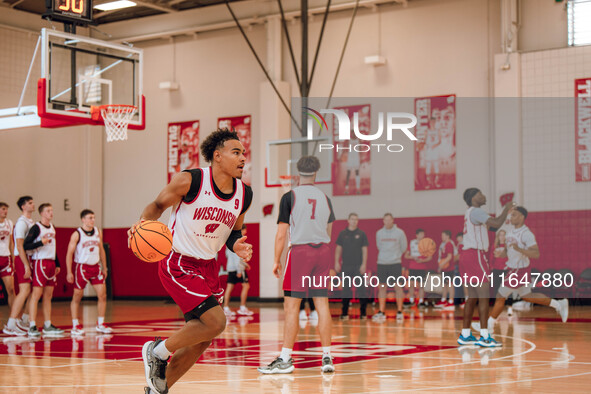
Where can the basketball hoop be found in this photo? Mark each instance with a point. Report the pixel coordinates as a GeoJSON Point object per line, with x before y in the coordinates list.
{"type": "Point", "coordinates": [116, 118]}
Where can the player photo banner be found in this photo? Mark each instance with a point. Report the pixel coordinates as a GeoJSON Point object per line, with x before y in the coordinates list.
{"type": "Point", "coordinates": [183, 147]}
{"type": "Point", "coordinates": [583, 129]}
{"type": "Point", "coordinates": [242, 125]}
{"type": "Point", "coordinates": [351, 160]}
{"type": "Point", "coordinates": [435, 150]}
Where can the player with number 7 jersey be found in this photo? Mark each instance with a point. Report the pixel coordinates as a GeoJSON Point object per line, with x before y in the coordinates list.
{"type": "Point", "coordinates": [307, 213]}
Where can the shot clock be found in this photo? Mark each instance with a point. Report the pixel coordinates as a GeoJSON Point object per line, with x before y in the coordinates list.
{"type": "Point", "coordinates": [78, 12]}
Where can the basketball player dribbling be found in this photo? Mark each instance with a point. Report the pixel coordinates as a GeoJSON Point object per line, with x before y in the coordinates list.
{"type": "Point", "coordinates": [208, 211]}
{"type": "Point", "coordinates": [475, 268]}
{"type": "Point", "coordinates": [307, 213]}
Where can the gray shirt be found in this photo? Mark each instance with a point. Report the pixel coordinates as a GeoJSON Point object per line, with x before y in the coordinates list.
{"type": "Point", "coordinates": [391, 245]}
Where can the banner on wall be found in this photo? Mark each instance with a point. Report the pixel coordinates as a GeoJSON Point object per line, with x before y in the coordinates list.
{"type": "Point", "coordinates": [183, 147]}
{"type": "Point", "coordinates": [583, 129]}
{"type": "Point", "coordinates": [435, 150]}
{"type": "Point", "coordinates": [351, 162]}
{"type": "Point", "coordinates": [242, 125]}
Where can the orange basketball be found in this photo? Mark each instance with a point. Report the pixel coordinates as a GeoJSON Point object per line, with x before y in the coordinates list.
{"type": "Point", "coordinates": [427, 247]}
{"type": "Point", "coordinates": [151, 241]}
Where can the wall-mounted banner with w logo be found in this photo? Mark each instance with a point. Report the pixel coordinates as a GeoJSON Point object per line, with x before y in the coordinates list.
{"type": "Point", "coordinates": [352, 166]}
{"type": "Point", "coordinates": [435, 152]}
{"type": "Point", "coordinates": [242, 125]}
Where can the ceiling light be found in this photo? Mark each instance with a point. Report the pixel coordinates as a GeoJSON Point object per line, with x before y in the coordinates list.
{"type": "Point", "coordinates": [115, 5]}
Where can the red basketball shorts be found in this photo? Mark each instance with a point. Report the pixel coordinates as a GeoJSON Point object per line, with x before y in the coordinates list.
{"type": "Point", "coordinates": [190, 281]}
{"type": "Point", "coordinates": [19, 269]}
{"type": "Point", "coordinates": [307, 268]}
{"type": "Point", "coordinates": [84, 273]}
{"type": "Point", "coordinates": [473, 264]}
{"type": "Point", "coordinates": [5, 266]}
{"type": "Point", "coordinates": [44, 273]}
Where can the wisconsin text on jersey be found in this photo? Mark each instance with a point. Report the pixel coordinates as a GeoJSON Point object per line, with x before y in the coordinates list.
{"type": "Point", "coordinates": [217, 214]}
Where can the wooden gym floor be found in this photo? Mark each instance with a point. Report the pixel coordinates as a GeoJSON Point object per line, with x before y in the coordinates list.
{"type": "Point", "coordinates": [540, 354]}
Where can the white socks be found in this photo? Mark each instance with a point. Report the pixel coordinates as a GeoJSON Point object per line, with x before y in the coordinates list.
{"type": "Point", "coordinates": [32, 323]}
{"type": "Point", "coordinates": [466, 332]}
{"type": "Point", "coordinates": [325, 351]}
{"type": "Point", "coordinates": [484, 333]}
{"type": "Point", "coordinates": [285, 354]}
{"type": "Point", "coordinates": [75, 322]}
{"type": "Point", "coordinates": [491, 322]}
{"type": "Point", "coordinates": [11, 323]}
{"type": "Point", "coordinates": [411, 299]}
{"type": "Point", "coordinates": [47, 323]}
{"type": "Point", "coordinates": [101, 320]}
{"type": "Point", "coordinates": [161, 351]}
{"type": "Point", "coordinates": [25, 318]}
{"type": "Point", "coordinates": [554, 304]}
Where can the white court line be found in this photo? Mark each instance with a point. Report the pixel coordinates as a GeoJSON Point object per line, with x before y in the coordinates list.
{"type": "Point", "coordinates": [66, 365]}
{"type": "Point", "coordinates": [487, 384]}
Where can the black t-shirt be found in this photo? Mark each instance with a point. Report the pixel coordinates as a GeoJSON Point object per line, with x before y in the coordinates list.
{"type": "Point", "coordinates": [352, 243]}
{"type": "Point", "coordinates": [285, 207]}
{"type": "Point", "coordinates": [196, 185]}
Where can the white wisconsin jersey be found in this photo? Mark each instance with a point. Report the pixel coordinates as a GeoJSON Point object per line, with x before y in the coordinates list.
{"type": "Point", "coordinates": [201, 227]}
{"type": "Point", "coordinates": [414, 248]}
{"type": "Point", "coordinates": [47, 251]}
{"type": "Point", "coordinates": [25, 223]}
{"type": "Point", "coordinates": [5, 234]}
{"type": "Point", "coordinates": [475, 236]}
{"type": "Point", "coordinates": [309, 216]}
{"type": "Point", "coordinates": [87, 248]}
{"type": "Point", "coordinates": [525, 239]}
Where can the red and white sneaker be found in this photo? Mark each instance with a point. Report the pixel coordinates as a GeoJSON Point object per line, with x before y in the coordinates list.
{"type": "Point", "coordinates": [244, 311]}
{"type": "Point", "coordinates": [14, 331]}
{"type": "Point", "coordinates": [440, 305]}
{"type": "Point", "coordinates": [449, 306]}
{"type": "Point", "coordinates": [103, 329]}
{"type": "Point", "coordinates": [23, 325]}
{"type": "Point", "coordinates": [77, 330]}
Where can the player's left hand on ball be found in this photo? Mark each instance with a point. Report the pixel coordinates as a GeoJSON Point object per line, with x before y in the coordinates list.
{"type": "Point", "coordinates": [242, 249]}
{"type": "Point", "coordinates": [132, 230]}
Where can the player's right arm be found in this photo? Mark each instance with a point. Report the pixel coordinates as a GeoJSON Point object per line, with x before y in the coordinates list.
{"type": "Point", "coordinates": [70, 255]}
{"type": "Point", "coordinates": [280, 239]}
{"type": "Point", "coordinates": [172, 193]}
{"type": "Point", "coordinates": [500, 220]}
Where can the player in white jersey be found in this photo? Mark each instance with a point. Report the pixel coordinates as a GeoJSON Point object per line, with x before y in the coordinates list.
{"type": "Point", "coordinates": [474, 267]}
{"type": "Point", "coordinates": [22, 269]}
{"type": "Point", "coordinates": [45, 266]}
{"type": "Point", "coordinates": [521, 247]}
{"type": "Point", "coordinates": [307, 213]}
{"type": "Point", "coordinates": [208, 209]}
{"type": "Point", "coordinates": [86, 262]}
{"type": "Point", "coordinates": [6, 256]}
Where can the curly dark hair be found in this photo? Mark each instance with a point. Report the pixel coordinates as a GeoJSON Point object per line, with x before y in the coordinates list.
{"type": "Point", "coordinates": [216, 141]}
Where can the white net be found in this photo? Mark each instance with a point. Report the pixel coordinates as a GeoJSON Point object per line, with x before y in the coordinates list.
{"type": "Point", "coordinates": [116, 118]}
